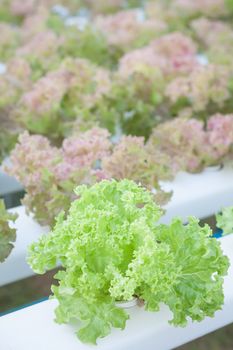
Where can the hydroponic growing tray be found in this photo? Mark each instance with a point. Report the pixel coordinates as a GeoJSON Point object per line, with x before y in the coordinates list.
{"type": "Point", "coordinates": [34, 328]}
{"type": "Point", "coordinates": [8, 184]}
{"type": "Point", "coordinates": [199, 195]}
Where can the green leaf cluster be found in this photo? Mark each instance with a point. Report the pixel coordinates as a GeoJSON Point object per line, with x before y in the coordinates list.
{"type": "Point", "coordinates": [90, 44]}
{"type": "Point", "coordinates": [225, 220]}
{"type": "Point", "coordinates": [132, 104]}
{"type": "Point", "coordinates": [112, 248]}
{"type": "Point", "coordinates": [5, 13]}
{"type": "Point", "coordinates": [53, 196]}
{"type": "Point", "coordinates": [7, 142]}
{"type": "Point", "coordinates": [7, 234]}
{"type": "Point", "coordinates": [229, 5]}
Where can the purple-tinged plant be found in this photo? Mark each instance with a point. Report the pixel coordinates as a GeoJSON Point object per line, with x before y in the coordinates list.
{"type": "Point", "coordinates": [220, 135]}
{"type": "Point", "coordinates": [182, 141]}
{"type": "Point", "coordinates": [86, 149]}
{"type": "Point", "coordinates": [31, 155]}
{"type": "Point", "coordinates": [43, 18]}
{"type": "Point", "coordinates": [19, 68]}
{"type": "Point", "coordinates": [83, 152]}
{"type": "Point", "coordinates": [204, 87]}
{"type": "Point", "coordinates": [174, 44]}
{"type": "Point", "coordinates": [174, 54]}
{"type": "Point", "coordinates": [49, 174]}
{"type": "Point", "coordinates": [139, 60]}
{"type": "Point", "coordinates": [217, 41]}
{"type": "Point", "coordinates": [190, 146]}
{"type": "Point", "coordinates": [165, 11]}
{"type": "Point", "coordinates": [46, 93]}
{"type": "Point", "coordinates": [31, 7]}
{"type": "Point", "coordinates": [41, 50]}
{"type": "Point", "coordinates": [87, 42]}
{"type": "Point", "coordinates": [34, 24]}
{"type": "Point", "coordinates": [25, 8]}
{"type": "Point", "coordinates": [178, 13]}
{"type": "Point", "coordinates": [216, 31]}
{"type": "Point", "coordinates": [126, 29]}
{"type": "Point", "coordinates": [13, 83]}
{"type": "Point", "coordinates": [60, 95]}
{"type": "Point", "coordinates": [132, 159]}
{"type": "Point", "coordinates": [38, 108]}
{"type": "Point", "coordinates": [43, 45]}
{"type": "Point", "coordinates": [210, 8]}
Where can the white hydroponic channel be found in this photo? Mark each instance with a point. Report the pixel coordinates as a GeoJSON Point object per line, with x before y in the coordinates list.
{"type": "Point", "coordinates": [200, 195]}
{"type": "Point", "coordinates": [34, 328]}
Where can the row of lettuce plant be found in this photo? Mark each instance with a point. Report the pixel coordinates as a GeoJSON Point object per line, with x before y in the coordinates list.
{"type": "Point", "coordinates": [59, 81]}
{"type": "Point", "coordinates": [50, 173]}
{"type": "Point", "coordinates": [113, 249]}
{"type": "Point", "coordinates": [150, 85]}
{"type": "Point", "coordinates": [129, 70]}
{"type": "Point", "coordinates": [98, 101]}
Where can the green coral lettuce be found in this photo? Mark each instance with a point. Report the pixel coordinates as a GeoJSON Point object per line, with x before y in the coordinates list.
{"type": "Point", "coordinates": [132, 104]}
{"type": "Point", "coordinates": [112, 248]}
{"type": "Point", "coordinates": [9, 40]}
{"type": "Point", "coordinates": [225, 220]}
{"type": "Point", "coordinates": [229, 6]}
{"type": "Point", "coordinates": [7, 234]}
{"type": "Point", "coordinates": [7, 142]}
{"type": "Point", "coordinates": [90, 44]}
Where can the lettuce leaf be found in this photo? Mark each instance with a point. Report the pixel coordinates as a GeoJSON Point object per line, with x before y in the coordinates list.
{"type": "Point", "coordinates": [112, 248]}
{"type": "Point", "coordinates": [225, 220]}
{"type": "Point", "coordinates": [7, 234]}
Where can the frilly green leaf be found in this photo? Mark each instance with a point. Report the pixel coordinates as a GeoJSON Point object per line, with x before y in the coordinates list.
{"type": "Point", "coordinates": [112, 248]}
{"type": "Point", "coordinates": [7, 233]}
{"type": "Point", "coordinates": [225, 220]}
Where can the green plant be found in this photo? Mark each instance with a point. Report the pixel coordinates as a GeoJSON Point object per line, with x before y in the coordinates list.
{"type": "Point", "coordinates": [112, 248]}
{"type": "Point", "coordinates": [229, 6]}
{"type": "Point", "coordinates": [7, 234]}
{"type": "Point", "coordinates": [60, 96]}
{"type": "Point", "coordinates": [7, 142]}
{"type": "Point", "coordinates": [90, 44]}
{"type": "Point", "coordinates": [5, 14]}
{"type": "Point", "coordinates": [9, 40]}
{"type": "Point", "coordinates": [225, 220]}
{"type": "Point", "coordinates": [49, 174]}
{"type": "Point", "coordinates": [131, 104]}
